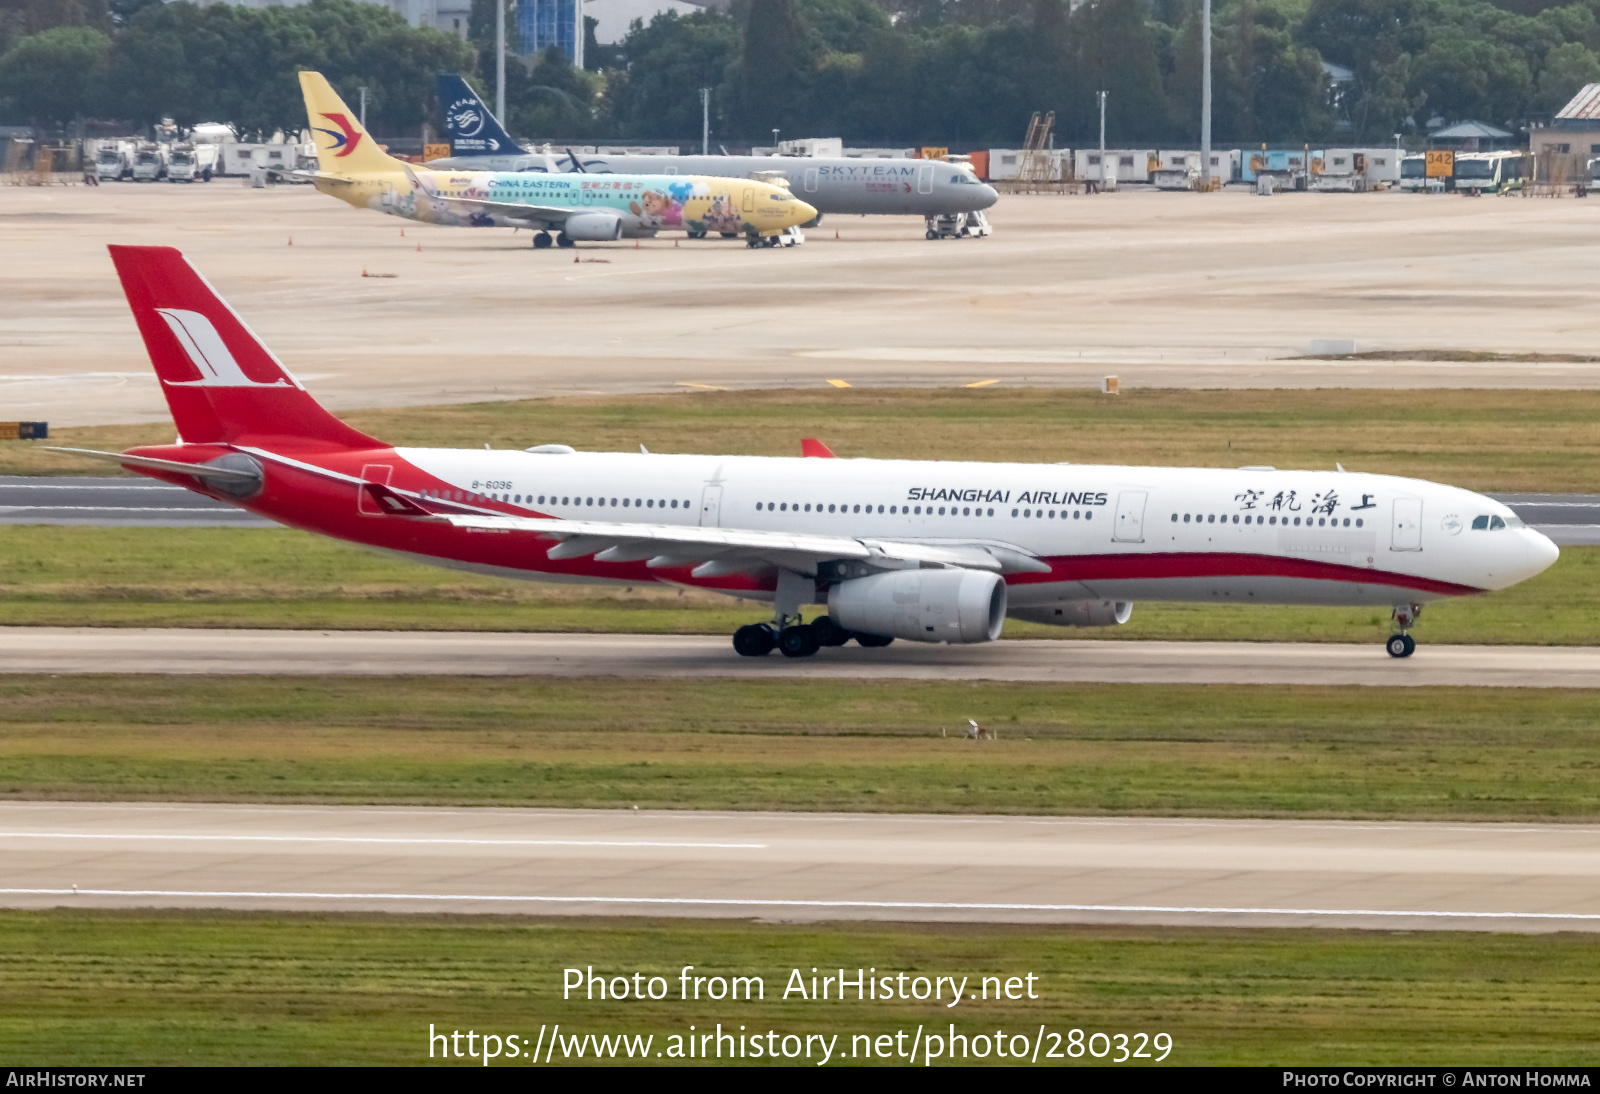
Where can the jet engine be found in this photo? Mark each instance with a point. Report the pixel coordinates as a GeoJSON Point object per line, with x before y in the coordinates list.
{"type": "Point", "coordinates": [593, 226]}
{"type": "Point", "coordinates": [922, 605]}
{"type": "Point", "coordinates": [1077, 613]}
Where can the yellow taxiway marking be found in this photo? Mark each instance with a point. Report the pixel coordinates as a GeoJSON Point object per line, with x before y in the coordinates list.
{"type": "Point", "coordinates": [839, 383]}
{"type": "Point", "coordinates": [702, 387]}
{"type": "Point", "coordinates": [981, 383]}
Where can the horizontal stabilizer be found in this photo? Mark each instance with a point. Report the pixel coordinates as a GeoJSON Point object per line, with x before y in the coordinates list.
{"type": "Point", "coordinates": [203, 470]}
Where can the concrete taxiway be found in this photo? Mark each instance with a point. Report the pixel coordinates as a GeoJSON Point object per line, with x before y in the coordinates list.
{"type": "Point", "coordinates": [1518, 877]}
{"type": "Point", "coordinates": [1165, 290]}
{"type": "Point", "coordinates": [151, 650]}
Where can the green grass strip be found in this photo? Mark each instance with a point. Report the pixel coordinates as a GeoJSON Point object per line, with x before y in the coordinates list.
{"type": "Point", "coordinates": [1428, 753]}
{"type": "Point", "coordinates": [143, 988]}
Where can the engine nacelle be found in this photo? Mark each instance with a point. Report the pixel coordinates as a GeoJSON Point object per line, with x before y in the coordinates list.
{"type": "Point", "coordinates": [923, 605]}
{"type": "Point", "coordinates": [1077, 613]}
{"type": "Point", "coordinates": [593, 227]}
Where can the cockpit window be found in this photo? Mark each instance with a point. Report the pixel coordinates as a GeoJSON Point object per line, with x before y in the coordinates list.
{"type": "Point", "coordinates": [1480, 523]}
{"type": "Point", "coordinates": [1515, 522]}
{"type": "Point", "coordinates": [1495, 524]}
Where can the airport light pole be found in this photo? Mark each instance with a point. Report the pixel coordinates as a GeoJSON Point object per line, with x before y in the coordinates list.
{"type": "Point", "coordinates": [363, 106]}
{"type": "Point", "coordinates": [1101, 95]}
{"type": "Point", "coordinates": [1205, 95]}
{"type": "Point", "coordinates": [775, 142]}
{"type": "Point", "coordinates": [500, 60]}
{"type": "Point", "coordinates": [705, 121]}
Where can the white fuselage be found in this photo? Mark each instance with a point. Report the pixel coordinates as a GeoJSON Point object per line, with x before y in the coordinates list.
{"type": "Point", "coordinates": [1126, 533]}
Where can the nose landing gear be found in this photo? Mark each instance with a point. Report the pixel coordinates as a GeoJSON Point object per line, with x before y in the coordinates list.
{"type": "Point", "coordinates": [1402, 644]}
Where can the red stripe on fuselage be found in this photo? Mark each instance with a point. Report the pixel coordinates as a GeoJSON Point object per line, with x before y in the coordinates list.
{"type": "Point", "coordinates": [1134, 567]}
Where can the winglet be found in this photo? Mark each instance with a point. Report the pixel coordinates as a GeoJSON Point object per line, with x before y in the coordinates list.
{"type": "Point", "coordinates": [810, 446]}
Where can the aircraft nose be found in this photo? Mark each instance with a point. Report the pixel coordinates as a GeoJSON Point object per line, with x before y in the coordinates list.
{"type": "Point", "coordinates": [1542, 551]}
{"type": "Point", "coordinates": [802, 212]}
{"type": "Point", "coordinates": [987, 196]}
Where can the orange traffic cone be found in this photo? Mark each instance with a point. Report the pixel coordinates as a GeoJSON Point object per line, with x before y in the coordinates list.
{"type": "Point", "coordinates": [635, 242]}
{"type": "Point", "coordinates": [291, 241]}
{"type": "Point", "coordinates": [574, 258]}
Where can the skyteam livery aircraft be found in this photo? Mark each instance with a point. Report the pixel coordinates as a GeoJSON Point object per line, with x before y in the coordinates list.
{"type": "Point", "coordinates": [947, 195]}
{"type": "Point", "coordinates": [352, 168]}
{"type": "Point", "coordinates": [925, 551]}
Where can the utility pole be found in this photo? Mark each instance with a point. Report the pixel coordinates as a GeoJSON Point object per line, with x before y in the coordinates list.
{"type": "Point", "coordinates": [705, 121]}
{"type": "Point", "coordinates": [1101, 95]}
{"type": "Point", "coordinates": [775, 142]}
{"type": "Point", "coordinates": [1205, 95]}
{"type": "Point", "coordinates": [500, 60]}
{"type": "Point", "coordinates": [363, 106]}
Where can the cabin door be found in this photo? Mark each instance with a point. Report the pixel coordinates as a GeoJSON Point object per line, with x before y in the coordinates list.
{"type": "Point", "coordinates": [1407, 525]}
{"type": "Point", "coordinates": [1129, 527]}
{"type": "Point", "coordinates": [711, 507]}
{"type": "Point", "coordinates": [925, 179]}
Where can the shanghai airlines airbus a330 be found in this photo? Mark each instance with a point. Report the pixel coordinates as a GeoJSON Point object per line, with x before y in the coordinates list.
{"type": "Point", "coordinates": [925, 551]}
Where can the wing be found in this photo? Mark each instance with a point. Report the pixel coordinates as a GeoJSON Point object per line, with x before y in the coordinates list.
{"type": "Point", "coordinates": [713, 552]}
{"type": "Point", "coordinates": [532, 215]}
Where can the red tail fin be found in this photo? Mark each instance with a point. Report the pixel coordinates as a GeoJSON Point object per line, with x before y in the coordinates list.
{"type": "Point", "coordinates": [221, 383]}
{"type": "Point", "coordinates": [810, 446]}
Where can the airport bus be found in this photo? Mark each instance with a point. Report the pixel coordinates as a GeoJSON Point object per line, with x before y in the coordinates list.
{"type": "Point", "coordinates": [1491, 172]}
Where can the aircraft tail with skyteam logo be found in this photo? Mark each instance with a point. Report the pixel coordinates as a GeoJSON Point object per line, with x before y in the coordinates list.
{"type": "Point", "coordinates": [561, 209]}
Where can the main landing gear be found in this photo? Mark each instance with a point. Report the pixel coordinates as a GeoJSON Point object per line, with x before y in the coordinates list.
{"type": "Point", "coordinates": [541, 241]}
{"type": "Point", "coordinates": [1402, 644]}
{"type": "Point", "coordinates": [799, 639]}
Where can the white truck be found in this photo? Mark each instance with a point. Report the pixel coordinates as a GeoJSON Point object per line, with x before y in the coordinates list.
{"type": "Point", "coordinates": [114, 161]}
{"type": "Point", "coordinates": [149, 162]}
{"type": "Point", "coordinates": [1344, 171]}
{"type": "Point", "coordinates": [188, 162]}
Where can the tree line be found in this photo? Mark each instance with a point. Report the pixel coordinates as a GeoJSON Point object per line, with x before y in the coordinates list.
{"type": "Point", "coordinates": [966, 73]}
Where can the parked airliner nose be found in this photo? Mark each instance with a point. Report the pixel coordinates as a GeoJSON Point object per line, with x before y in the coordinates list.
{"type": "Point", "coordinates": [803, 213]}
{"type": "Point", "coordinates": [987, 196]}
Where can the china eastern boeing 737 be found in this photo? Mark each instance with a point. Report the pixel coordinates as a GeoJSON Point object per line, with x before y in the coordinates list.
{"type": "Point", "coordinates": [924, 551]}
{"type": "Point", "coordinates": [947, 195]}
{"type": "Point", "coordinates": [352, 168]}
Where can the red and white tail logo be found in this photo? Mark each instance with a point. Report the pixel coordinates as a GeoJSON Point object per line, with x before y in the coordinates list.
{"type": "Point", "coordinates": [222, 384]}
{"type": "Point", "coordinates": [208, 352]}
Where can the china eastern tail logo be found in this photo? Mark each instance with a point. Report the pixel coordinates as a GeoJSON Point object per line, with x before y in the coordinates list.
{"type": "Point", "coordinates": [346, 139]}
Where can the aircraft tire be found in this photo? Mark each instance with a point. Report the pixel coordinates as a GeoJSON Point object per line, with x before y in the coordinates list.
{"type": "Point", "coordinates": [754, 640]}
{"type": "Point", "coordinates": [542, 240]}
{"type": "Point", "coordinates": [830, 633]}
{"type": "Point", "coordinates": [1401, 645]}
{"type": "Point", "coordinates": [932, 234]}
{"type": "Point", "coordinates": [799, 641]}
{"type": "Point", "coordinates": [563, 240]}
{"type": "Point", "coordinates": [873, 641]}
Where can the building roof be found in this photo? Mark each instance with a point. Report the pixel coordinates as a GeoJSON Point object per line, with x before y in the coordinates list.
{"type": "Point", "coordinates": [1467, 130]}
{"type": "Point", "coordinates": [1585, 104]}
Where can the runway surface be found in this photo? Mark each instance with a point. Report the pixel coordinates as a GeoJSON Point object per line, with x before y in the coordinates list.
{"type": "Point", "coordinates": [1567, 518]}
{"type": "Point", "coordinates": [107, 502]}
{"type": "Point", "coordinates": [384, 653]}
{"type": "Point", "coordinates": [1517, 877]}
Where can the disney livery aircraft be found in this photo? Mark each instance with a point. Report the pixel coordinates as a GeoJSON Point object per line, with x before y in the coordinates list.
{"type": "Point", "coordinates": [926, 551]}
{"type": "Point", "coordinates": [352, 168]}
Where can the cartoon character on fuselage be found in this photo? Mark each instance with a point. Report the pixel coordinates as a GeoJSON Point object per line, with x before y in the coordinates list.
{"type": "Point", "coordinates": [352, 168]}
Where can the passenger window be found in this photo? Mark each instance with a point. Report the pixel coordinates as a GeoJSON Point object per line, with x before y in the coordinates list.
{"type": "Point", "coordinates": [1480, 523]}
